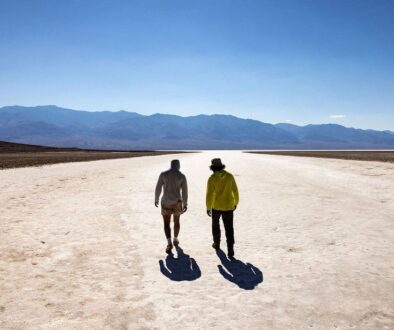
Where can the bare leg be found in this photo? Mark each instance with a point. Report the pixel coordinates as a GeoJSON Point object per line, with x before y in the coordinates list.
{"type": "Point", "coordinates": [167, 228]}
{"type": "Point", "coordinates": [177, 225]}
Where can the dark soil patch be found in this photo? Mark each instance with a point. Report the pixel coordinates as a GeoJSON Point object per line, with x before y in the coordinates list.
{"type": "Point", "coordinates": [14, 155]}
{"type": "Point", "coordinates": [379, 156]}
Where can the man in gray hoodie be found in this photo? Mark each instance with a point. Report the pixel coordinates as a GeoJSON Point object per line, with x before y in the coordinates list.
{"type": "Point", "coordinates": [173, 183]}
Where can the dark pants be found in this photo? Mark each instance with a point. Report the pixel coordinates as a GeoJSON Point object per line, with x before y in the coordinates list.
{"type": "Point", "coordinates": [227, 217]}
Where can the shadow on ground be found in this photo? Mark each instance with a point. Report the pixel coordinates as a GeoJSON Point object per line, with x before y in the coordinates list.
{"type": "Point", "coordinates": [246, 276]}
{"type": "Point", "coordinates": [182, 268]}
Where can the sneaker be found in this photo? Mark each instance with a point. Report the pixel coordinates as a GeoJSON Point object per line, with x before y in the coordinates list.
{"type": "Point", "coordinates": [176, 241]}
{"type": "Point", "coordinates": [216, 246]}
{"type": "Point", "coordinates": [169, 248]}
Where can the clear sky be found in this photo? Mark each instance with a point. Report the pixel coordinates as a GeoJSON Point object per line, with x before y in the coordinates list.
{"type": "Point", "coordinates": [300, 61]}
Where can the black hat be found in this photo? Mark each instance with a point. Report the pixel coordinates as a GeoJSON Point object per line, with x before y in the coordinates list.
{"type": "Point", "coordinates": [216, 164]}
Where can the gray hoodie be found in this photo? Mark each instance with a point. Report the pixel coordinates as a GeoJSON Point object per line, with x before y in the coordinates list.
{"type": "Point", "coordinates": [173, 182]}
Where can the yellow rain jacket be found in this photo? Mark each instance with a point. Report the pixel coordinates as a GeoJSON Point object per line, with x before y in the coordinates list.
{"type": "Point", "coordinates": [222, 192]}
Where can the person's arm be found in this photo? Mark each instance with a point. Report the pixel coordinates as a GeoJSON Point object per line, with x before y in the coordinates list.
{"type": "Point", "coordinates": [210, 195]}
{"type": "Point", "coordinates": [159, 186]}
{"type": "Point", "coordinates": [235, 192]}
{"type": "Point", "coordinates": [184, 193]}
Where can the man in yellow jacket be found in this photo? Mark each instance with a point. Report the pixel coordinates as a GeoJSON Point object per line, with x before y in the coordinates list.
{"type": "Point", "coordinates": [222, 199]}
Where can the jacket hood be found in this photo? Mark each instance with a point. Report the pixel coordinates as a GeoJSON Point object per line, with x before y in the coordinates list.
{"type": "Point", "coordinates": [221, 174]}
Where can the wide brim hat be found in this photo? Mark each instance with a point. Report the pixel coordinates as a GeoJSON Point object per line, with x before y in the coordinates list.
{"type": "Point", "coordinates": [216, 163]}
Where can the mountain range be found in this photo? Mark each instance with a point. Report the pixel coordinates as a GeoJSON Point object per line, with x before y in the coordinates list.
{"type": "Point", "coordinates": [60, 127]}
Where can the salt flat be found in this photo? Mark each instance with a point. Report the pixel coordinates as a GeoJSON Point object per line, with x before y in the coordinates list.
{"type": "Point", "coordinates": [82, 246]}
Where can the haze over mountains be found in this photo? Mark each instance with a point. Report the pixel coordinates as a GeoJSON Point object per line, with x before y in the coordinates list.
{"type": "Point", "coordinates": [55, 126]}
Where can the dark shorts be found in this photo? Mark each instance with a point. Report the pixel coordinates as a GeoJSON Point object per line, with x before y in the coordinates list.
{"type": "Point", "coordinates": [175, 209]}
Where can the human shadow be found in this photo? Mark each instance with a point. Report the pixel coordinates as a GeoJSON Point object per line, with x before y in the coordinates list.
{"type": "Point", "coordinates": [182, 268]}
{"type": "Point", "coordinates": [246, 276]}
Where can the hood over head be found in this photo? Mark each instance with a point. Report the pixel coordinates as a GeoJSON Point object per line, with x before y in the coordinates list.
{"type": "Point", "coordinates": [175, 165]}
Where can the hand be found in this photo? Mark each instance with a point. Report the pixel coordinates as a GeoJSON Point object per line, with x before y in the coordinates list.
{"type": "Point", "coordinates": [184, 208]}
{"type": "Point", "coordinates": [209, 212]}
{"type": "Point", "coordinates": [157, 204]}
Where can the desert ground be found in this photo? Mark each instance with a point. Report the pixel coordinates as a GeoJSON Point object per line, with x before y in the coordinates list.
{"type": "Point", "coordinates": [82, 246]}
{"type": "Point", "coordinates": [14, 155]}
{"type": "Point", "coordinates": [26, 159]}
{"type": "Point", "coordinates": [381, 155]}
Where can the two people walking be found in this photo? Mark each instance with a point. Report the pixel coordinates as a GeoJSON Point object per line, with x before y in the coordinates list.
{"type": "Point", "coordinates": [222, 199]}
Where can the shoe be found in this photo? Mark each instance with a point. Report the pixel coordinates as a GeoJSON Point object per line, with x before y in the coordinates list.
{"type": "Point", "coordinates": [176, 241]}
{"type": "Point", "coordinates": [216, 246]}
{"type": "Point", "coordinates": [169, 248]}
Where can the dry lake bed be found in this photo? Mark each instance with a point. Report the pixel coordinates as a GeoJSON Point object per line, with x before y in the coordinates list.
{"type": "Point", "coordinates": [82, 246]}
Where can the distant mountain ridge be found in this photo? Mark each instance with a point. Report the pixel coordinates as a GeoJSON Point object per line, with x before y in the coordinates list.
{"type": "Point", "coordinates": [60, 127]}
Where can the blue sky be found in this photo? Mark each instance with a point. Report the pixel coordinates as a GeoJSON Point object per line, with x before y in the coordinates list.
{"type": "Point", "coordinates": [299, 61]}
